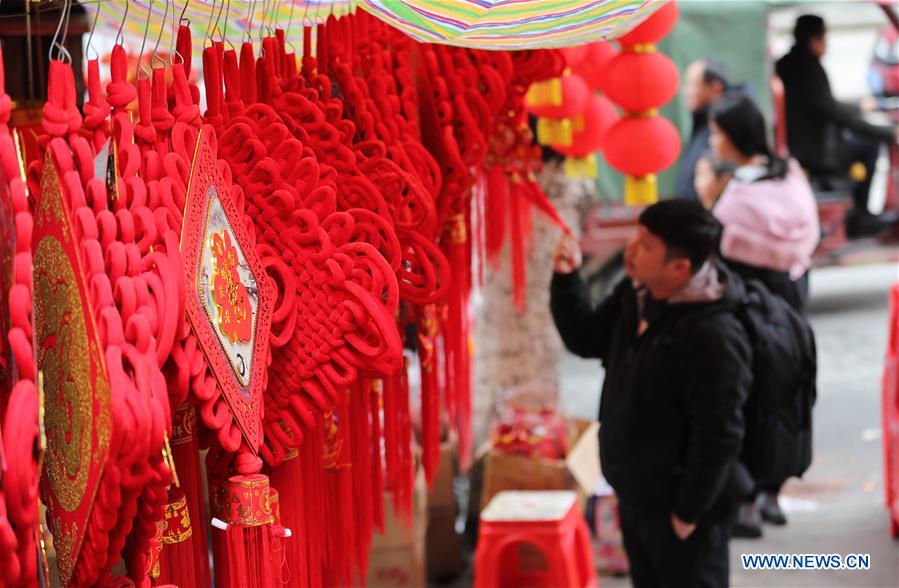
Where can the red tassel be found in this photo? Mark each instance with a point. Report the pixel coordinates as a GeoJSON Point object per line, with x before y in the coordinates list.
{"type": "Point", "coordinates": [247, 74]}
{"type": "Point", "coordinates": [536, 195]}
{"type": "Point", "coordinates": [519, 261]}
{"type": "Point", "coordinates": [428, 326]}
{"type": "Point", "coordinates": [375, 389]}
{"type": "Point", "coordinates": [495, 213]}
{"type": "Point", "coordinates": [456, 333]}
{"type": "Point", "coordinates": [288, 480]}
{"type": "Point", "coordinates": [186, 562]}
{"type": "Point", "coordinates": [341, 530]}
{"type": "Point", "coordinates": [246, 542]}
{"type": "Point", "coordinates": [361, 450]}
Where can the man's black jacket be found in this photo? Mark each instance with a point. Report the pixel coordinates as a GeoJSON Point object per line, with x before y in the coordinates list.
{"type": "Point", "coordinates": [692, 153]}
{"type": "Point", "coordinates": [813, 115]}
{"type": "Point", "coordinates": [671, 411]}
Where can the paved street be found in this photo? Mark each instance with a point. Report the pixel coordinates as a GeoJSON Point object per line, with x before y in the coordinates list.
{"type": "Point", "coordinates": [838, 507]}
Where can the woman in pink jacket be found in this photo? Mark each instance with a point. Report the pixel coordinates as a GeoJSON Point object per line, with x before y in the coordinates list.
{"type": "Point", "coordinates": [771, 229]}
{"type": "Point", "coordinates": [768, 210]}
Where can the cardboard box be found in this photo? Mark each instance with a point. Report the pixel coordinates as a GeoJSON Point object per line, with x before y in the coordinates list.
{"type": "Point", "coordinates": [397, 558]}
{"type": "Point", "coordinates": [579, 471]}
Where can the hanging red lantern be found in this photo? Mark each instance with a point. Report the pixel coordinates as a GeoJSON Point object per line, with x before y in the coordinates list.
{"type": "Point", "coordinates": [588, 134]}
{"type": "Point", "coordinates": [640, 147]}
{"type": "Point", "coordinates": [592, 67]}
{"type": "Point", "coordinates": [562, 97]}
{"type": "Point", "coordinates": [654, 28]}
{"type": "Point", "coordinates": [640, 81]}
{"type": "Point", "coordinates": [556, 102]}
{"type": "Point", "coordinates": [575, 55]}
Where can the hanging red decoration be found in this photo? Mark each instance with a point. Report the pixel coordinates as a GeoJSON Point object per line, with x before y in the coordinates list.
{"type": "Point", "coordinates": [588, 137]}
{"type": "Point", "coordinates": [640, 147]}
{"type": "Point", "coordinates": [639, 81]}
{"type": "Point", "coordinates": [654, 28]}
{"type": "Point", "coordinates": [592, 67]}
{"type": "Point", "coordinates": [556, 101]}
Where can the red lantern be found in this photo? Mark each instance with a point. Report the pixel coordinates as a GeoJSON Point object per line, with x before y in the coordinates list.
{"type": "Point", "coordinates": [653, 28]}
{"type": "Point", "coordinates": [575, 55]}
{"type": "Point", "coordinates": [640, 81]}
{"type": "Point", "coordinates": [589, 128]}
{"type": "Point", "coordinates": [558, 98]}
{"type": "Point", "coordinates": [593, 66]}
{"type": "Point", "coordinates": [642, 146]}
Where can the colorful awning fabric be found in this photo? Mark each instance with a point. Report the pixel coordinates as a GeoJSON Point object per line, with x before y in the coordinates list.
{"type": "Point", "coordinates": [484, 24]}
{"type": "Point", "coordinates": [512, 24]}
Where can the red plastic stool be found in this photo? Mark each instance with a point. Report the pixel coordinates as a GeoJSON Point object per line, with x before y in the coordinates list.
{"type": "Point", "coordinates": [534, 539]}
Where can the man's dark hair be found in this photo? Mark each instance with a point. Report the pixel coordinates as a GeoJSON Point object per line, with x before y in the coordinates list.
{"type": "Point", "coordinates": [714, 71]}
{"type": "Point", "coordinates": [686, 227]}
{"type": "Point", "coordinates": [808, 27]}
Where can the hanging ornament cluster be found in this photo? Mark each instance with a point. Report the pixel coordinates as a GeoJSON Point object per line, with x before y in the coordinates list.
{"type": "Point", "coordinates": [248, 280]}
{"type": "Point", "coordinates": [640, 80]}
{"type": "Point", "coordinates": [572, 117]}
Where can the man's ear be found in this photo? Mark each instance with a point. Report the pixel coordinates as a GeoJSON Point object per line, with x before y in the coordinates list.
{"type": "Point", "coordinates": [682, 266]}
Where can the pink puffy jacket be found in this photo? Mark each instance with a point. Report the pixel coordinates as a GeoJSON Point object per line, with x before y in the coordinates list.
{"type": "Point", "coordinates": [770, 223]}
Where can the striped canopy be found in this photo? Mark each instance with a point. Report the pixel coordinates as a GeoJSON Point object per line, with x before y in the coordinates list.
{"type": "Point", "coordinates": [233, 19]}
{"type": "Point", "coordinates": [512, 24]}
{"type": "Point", "coordinates": [487, 24]}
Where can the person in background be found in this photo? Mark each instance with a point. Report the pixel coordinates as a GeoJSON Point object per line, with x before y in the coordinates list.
{"type": "Point", "coordinates": [771, 229]}
{"type": "Point", "coordinates": [705, 82]}
{"type": "Point", "coordinates": [824, 135]}
{"type": "Point", "coordinates": [677, 362]}
{"type": "Point", "coordinates": [710, 179]}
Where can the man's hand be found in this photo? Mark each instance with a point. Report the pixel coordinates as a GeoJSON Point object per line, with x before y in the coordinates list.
{"type": "Point", "coordinates": [896, 137]}
{"type": "Point", "coordinates": [682, 529]}
{"type": "Point", "coordinates": [567, 257]}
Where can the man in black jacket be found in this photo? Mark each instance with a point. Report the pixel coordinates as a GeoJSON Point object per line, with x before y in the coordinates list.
{"type": "Point", "coordinates": [824, 135]}
{"type": "Point", "coordinates": [705, 82]}
{"type": "Point", "coordinates": [677, 363]}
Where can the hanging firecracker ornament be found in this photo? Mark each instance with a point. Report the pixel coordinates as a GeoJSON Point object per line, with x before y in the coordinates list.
{"type": "Point", "coordinates": [556, 102]}
{"type": "Point", "coordinates": [640, 80]}
{"type": "Point", "coordinates": [588, 137]}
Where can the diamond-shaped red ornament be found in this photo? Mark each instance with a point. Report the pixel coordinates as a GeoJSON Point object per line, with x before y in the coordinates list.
{"type": "Point", "coordinates": [229, 296]}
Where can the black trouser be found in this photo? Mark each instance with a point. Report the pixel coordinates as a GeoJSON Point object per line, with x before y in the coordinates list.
{"type": "Point", "coordinates": [864, 150]}
{"type": "Point", "coordinates": [658, 558]}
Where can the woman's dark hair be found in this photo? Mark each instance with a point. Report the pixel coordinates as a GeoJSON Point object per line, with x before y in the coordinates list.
{"type": "Point", "coordinates": [686, 227]}
{"type": "Point", "coordinates": [740, 119]}
{"type": "Point", "coordinates": [808, 27]}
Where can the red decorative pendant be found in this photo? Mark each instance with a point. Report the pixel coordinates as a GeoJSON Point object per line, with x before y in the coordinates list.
{"type": "Point", "coordinates": [230, 297]}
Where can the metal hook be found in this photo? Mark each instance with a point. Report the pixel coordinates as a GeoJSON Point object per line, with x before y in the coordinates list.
{"type": "Point", "coordinates": [181, 19]}
{"type": "Point", "coordinates": [249, 37]}
{"type": "Point", "coordinates": [174, 55]}
{"type": "Point", "coordinates": [224, 29]}
{"type": "Point", "coordinates": [209, 23]}
{"type": "Point", "coordinates": [216, 27]}
{"type": "Point", "coordinates": [272, 16]}
{"type": "Point", "coordinates": [87, 50]}
{"type": "Point", "coordinates": [287, 28]}
{"type": "Point", "coordinates": [143, 43]}
{"type": "Point", "coordinates": [155, 57]}
{"type": "Point", "coordinates": [262, 24]}
{"type": "Point", "coordinates": [61, 52]}
{"type": "Point", "coordinates": [120, 38]}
